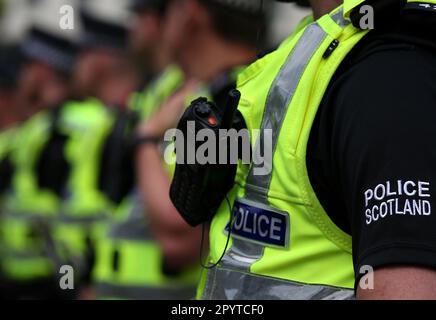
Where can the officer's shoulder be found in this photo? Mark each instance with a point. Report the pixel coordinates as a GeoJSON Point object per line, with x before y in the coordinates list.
{"type": "Point", "coordinates": [395, 68]}
{"type": "Point", "coordinates": [391, 83]}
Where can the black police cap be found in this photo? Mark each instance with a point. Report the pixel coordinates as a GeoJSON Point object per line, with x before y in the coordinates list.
{"type": "Point", "coordinates": [98, 32]}
{"type": "Point", "coordinates": [49, 48]}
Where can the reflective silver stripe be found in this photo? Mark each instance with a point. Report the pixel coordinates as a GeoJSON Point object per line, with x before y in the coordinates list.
{"type": "Point", "coordinates": [26, 215]}
{"type": "Point", "coordinates": [112, 291]}
{"type": "Point", "coordinates": [17, 255]}
{"type": "Point", "coordinates": [85, 220]}
{"type": "Point", "coordinates": [224, 284]}
{"type": "Point", "coordinates": [135, 227]}
{"type": "Point", "coordinates": [226, 281]}
{"type": "Point", "coordinates": [280, 96]}
{"type": "Point", "coordinates": [130, 230]}
{"type": "Point", "coordinates": [243, 254]}
{"type": "Point", "coordinates": [338, 17]}
{"type": "Point", "coordinates": [36, 48]}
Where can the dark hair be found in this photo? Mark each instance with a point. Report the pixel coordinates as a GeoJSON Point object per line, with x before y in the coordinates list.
{"type": "Point", "coordinates": [237, 25]}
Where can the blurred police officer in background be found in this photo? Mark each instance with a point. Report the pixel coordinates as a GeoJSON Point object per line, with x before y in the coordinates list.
{"type": "Point", "coordinates": [44, 80]}
{"type": "Point", "coordinates": [30, 261]}
{"type": "Point", "coordinates": [210, 41]}
{"type": "Point", "coordinates": [130, 263]}
{"type": "Point", "coordinates": [9, 121]}
{"type": "Point", "coordinates": [10, 115]}
{"type": "Point", "coordinates": [62, 170]}
{"type": "Point", "coordinates": [102, 81]}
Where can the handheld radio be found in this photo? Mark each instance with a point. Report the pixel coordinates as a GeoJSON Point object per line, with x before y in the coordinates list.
{"type": "Point", "coordinates": [197, 189]}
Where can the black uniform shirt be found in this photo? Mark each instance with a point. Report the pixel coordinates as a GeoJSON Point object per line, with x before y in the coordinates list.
{"type": "Point", "coordinates": [372, 151]}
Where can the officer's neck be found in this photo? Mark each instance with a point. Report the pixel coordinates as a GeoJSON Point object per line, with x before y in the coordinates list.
{"type": "Point", "coordinates": [209, 60]}
{"type": "Point", "coordinates": [160, 59]}
{"type": "Point", "coordinates": [322, 7]}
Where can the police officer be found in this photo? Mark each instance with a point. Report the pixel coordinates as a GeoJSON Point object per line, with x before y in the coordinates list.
{"type": "Point", "coordinates": [349, 108]}
{"type": "Point", "coordinates": [102, 81]}
{"type": "Point", "coordinates": [10, 118]}
{"type": "Point", "coordinates": [129, 262]}
{"type": "Point", "coordinates": [30, 261]}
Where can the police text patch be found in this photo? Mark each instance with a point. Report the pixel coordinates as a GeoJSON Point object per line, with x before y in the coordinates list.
{"type": "Point", "coordinates": [259, 223]}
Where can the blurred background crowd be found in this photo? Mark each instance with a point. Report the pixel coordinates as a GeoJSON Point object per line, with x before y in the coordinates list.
{"type": "Point", "coordinates": [78, 187]}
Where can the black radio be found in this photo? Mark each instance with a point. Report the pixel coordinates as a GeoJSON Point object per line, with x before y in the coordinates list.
{"type": "Point", "coordinates": [52, 167]}
{"type": "Point", "coordinates": [116, 177]}
{"type": "Point", "coordinates": [197, 188]}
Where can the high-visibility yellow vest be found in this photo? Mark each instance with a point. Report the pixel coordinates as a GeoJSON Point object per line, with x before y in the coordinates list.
{"type": "Point", "coordinates": [129, 262]}
{"type": "Point", "coordinates": [7, 137]}
{"type": "Point", "coordinates": [84, 209]}
{"type": "Point", "coordinates": [7, 145]}
{"type": "Point", "coordinates": [28, 211]}
{"type": "Point", "coordinates": [146, 102]}
{"type": "Point", "coordinates": [41, 232]}
{"type": "Point", "coordinates": [284, 245]}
